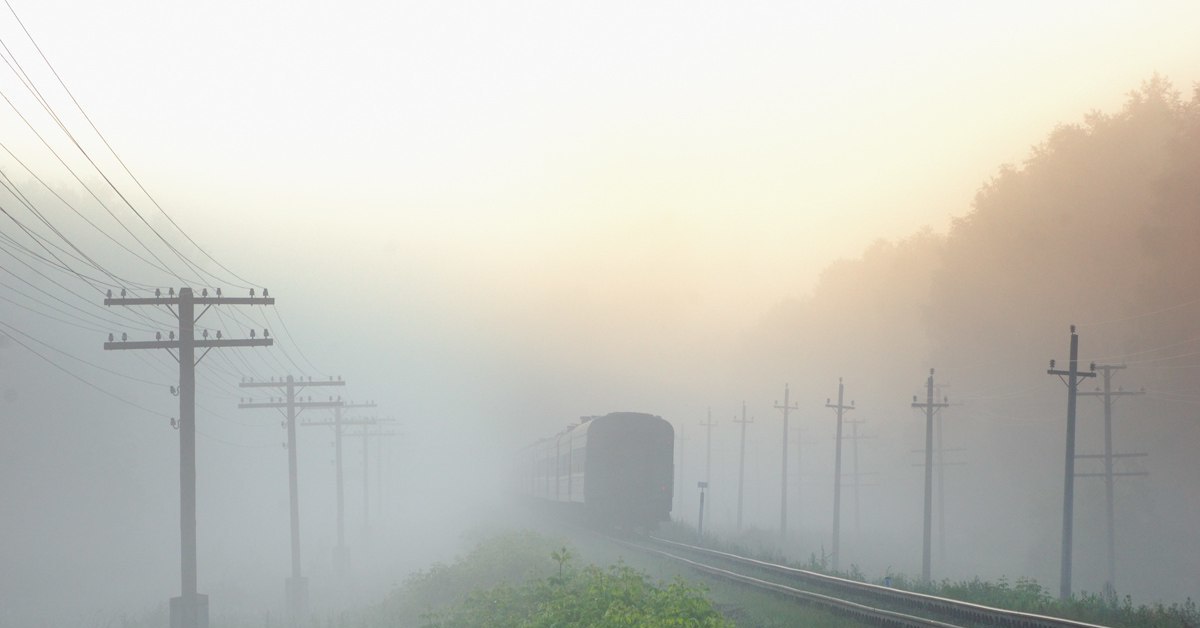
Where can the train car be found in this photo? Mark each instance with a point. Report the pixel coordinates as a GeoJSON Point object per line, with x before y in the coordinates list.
{"type": "Point", "coordinates": [615, 470]}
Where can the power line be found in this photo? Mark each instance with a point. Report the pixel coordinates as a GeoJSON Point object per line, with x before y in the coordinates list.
{"type": "Point", "coordinates": [53, 70]}
{"type": "Point", "coordinates": [87, 220]}
{"type": "Point", "coordinates": [79, 359]}
{"type": "Point", "coordinates": [84, 381]}
{"type": "Point", "coordinates": [161, 265]}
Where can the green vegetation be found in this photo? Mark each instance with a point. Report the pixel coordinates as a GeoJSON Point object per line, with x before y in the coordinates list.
{"type": "Point", "coordinates": [616, 596]}
{"type": "Point", "coordinates": [1027, 595]}
{"type": "Point", "coordinates": [510, 559]}
{"type": "Point", "coordinates": [524, 579]}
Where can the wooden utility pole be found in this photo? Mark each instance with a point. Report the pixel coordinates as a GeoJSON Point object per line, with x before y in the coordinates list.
{"type": "Point", "coordinates": [931, 407]}
{"type": "Point", "coordinates": [367, 434]}
{"type": "Point", "coordinates": [941, 471]}
{"type": "Point", "coordinates": [854, 437]}
{"type": "Point", "coordinates": [741, 464]}
{"type": "Point", "coordinates": [341, 554]}
{"type": "Point", "coordinates": [708, 453]}
{"type": "Point", "coordinates": [296, 586]}
{"type": "Point", "coordinates": [1109, 394]}
{"type": "Point", "coordinates": [681, 483]}
{"type": "Point", "coordinates": [840, 408]}
{"type": "Point", "coordinates": [786, 408]}
{"type": "Point", "coordinates": [190, 609]}
{"type": "Point", "coordinates": [1072, 376]}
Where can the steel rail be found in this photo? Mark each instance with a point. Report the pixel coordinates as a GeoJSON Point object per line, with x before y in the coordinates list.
{"type": "Point", "coordinates": [862, 612]}
{"type": "Point", "coordinates": [955, 608]}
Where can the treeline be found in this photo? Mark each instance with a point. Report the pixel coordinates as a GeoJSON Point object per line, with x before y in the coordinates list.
{"type": "Point", "coordinates": [1099, 227]}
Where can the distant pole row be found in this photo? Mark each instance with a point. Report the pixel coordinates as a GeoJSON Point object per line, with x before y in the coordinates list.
{"type": "Point", "coordinates": [932, 405]}
{"type": "Point", "coordinates": [190, 608]}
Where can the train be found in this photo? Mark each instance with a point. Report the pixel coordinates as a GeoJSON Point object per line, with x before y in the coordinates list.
{"type": "Point", "coordinates": [615, 470]}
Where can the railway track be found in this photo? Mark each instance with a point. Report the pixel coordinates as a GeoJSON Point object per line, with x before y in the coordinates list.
{"type": "Point", "coordinates": [869, 603]}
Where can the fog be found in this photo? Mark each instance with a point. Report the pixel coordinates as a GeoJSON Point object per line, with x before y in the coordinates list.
{"type": "Point", "coordinates": [494, 221]}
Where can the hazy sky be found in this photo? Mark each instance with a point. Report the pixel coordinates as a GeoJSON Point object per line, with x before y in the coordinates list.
{"type": "Point", "coordinates": [721, 154]}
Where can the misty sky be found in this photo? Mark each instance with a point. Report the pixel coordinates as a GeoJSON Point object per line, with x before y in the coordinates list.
{"type": "Point", "coordinates": [721, 153]}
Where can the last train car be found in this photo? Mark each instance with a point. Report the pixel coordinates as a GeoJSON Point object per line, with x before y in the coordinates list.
{"type": "Point", "coordinates": [616, 469]}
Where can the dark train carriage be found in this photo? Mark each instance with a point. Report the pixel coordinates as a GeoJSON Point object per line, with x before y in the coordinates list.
{"type": "Point", "coordinates": [629, 468]}
{"type": "Point", "coordinates": [618, 469]}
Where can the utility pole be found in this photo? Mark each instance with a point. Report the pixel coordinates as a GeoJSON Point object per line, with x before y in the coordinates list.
{"type": "Point", "coordinates": [1108, 393]}
{"type": "Point", "coordinates": [1072, 381]}
{"type": "Point", "coordinates": [854, 437]}
{"type": "Point", "coordinates": [700, 525]}
{"type": "Point", "coordinates": [682, 483]}
{"type": "Point", "coordinates": [941, 469]}
{"type": "Point", "coordinates": [741, 464]}
{"type": "Point", "coordinates": [786, 408]}
{"type": "Point", "coordinates": [708, 453]}
{"type": "Point", "coordinates": [367, 434]}
{"type": "Point", "coordinates": [341, 554]}
{"type": "Point", "coordinates": [296, 586]}
{"type": "Point", "coordinates": [840, 408]}
{"type": "Point", "coordinates": [190, 609]}
{"type": "Point", "coordinates": [930, 407]}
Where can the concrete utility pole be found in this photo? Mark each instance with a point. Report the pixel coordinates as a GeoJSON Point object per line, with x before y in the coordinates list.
{"type": "Point", "coordinates": [741, 464]}
{"type": "Point", "coordinates": [840, 408]}
{"type": "Point", "coordinates": [786, 408]}
{"type": "Point", "coordinates": [190, 609]}
{"type": "Point", "coordinates": [700, 525]}
{"type": "Point", "coordinates": [1108, 393]}
{"type": "Point", "coordinates": [341, 554]}
{"type": "Point", "coordinates": [930, 407]}
{"type": "Point", "coordinates": [296, 586]}
{"type": "Point", "coordinates": [708, 449]}
{"type": "Point", "coordinates": [1072, 374]}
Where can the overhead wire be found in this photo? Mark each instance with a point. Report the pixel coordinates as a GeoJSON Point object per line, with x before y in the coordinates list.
{"type": "Point", "coordinates": [80, 214]}
{"type": "Point", "coordinates": [15, 66]}
{"type": "Point", "coordinates": [160, 265]}
{"type": "Point", "coordinates": [62, 265]}
{"type": "Point", "coordinates": [245, 283]}
{"type": "Point", "coordinates": [292, 338]}
{"type": "Point", "coordinates": [82, 380]}
{"type": "Point", "coordinates": [81, 325]}
{"type": "Point", "coordinates": [58, 263]}
{"type": "Point", "coordinates": [56, 298]}
{"type": "Point", "coordinates": [81, 360]}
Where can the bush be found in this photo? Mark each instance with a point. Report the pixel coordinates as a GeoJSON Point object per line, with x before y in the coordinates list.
{"type": "Point", "coordinates": [617, 596]}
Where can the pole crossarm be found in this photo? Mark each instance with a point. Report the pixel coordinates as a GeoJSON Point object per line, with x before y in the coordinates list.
{"type": "Point", "coordinates": [122, 345]}
{"type": "Point", "coordinates": [342, 422]}
{"type": "Point", "coordinates": [285, 404]}
{"type": "Point", "coordinates": [1114, 474]}
{"type": "Point", "coordinates": [297, 384]}
{"type": "Point", "coordinates": [196, 300]}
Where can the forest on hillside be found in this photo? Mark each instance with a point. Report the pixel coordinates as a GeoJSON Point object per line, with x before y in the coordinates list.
{"type": "Point", "coordinates": [1099, 228]}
